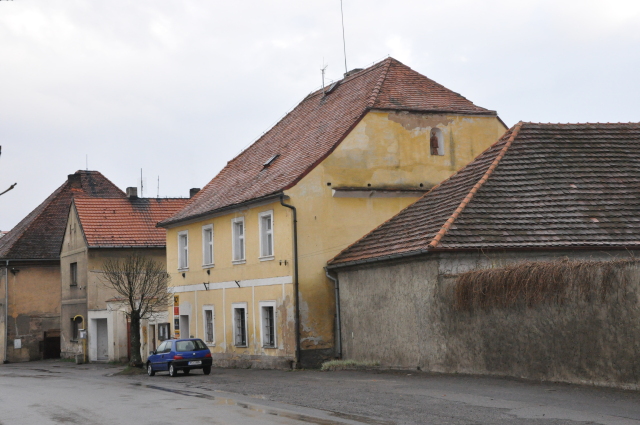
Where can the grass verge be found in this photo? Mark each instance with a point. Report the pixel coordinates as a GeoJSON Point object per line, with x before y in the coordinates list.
{"type": "Point", "coordinates": [348, 365]}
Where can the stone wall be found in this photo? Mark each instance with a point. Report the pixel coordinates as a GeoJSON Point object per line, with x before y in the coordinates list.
{"type": "Point", "coordinates": [402, 315]}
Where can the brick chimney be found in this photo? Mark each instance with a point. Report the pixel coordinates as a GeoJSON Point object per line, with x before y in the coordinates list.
{"type": "Point", "coordinates": [193, 191]}
{"type": "Point", "coordinates": [132, 192]}
{"type": "Point", "coordinates": [75, 180]}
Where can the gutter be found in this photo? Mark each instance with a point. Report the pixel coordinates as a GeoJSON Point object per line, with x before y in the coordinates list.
{"type": "Point", "coordinates": [6, 310]}
{"type": "Point", "coordinates": [338, 321]}
{"type": "Point", "coordinates": [296, 295]}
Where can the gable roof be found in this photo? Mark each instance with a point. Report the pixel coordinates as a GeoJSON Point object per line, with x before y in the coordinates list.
{"type": "Point", "coordinates": [539, 186]}
{"type": "Point", "coordinates": [125, 222]}
{"type": "Point", "coordinates": [39, 235]}
{"type": "Point", "coordinates": [313, 129]}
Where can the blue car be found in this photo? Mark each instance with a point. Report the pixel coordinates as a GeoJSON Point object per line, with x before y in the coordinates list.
{"type": "Point", "coordinates": [180, 354]}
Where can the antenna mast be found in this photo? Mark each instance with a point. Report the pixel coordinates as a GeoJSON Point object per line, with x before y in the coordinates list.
{"type": "Point", "coordinates": [141, 185]}
{"type": "Point", "coordinates": [158, 187]}
{"type": "Point", "coordinates": [344, 43]}
{"type": "Point", "coordinates": [324, 67]}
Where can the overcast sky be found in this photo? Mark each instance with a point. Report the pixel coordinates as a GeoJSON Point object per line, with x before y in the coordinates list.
{"type": "Point", "coordinates": [178, 88]}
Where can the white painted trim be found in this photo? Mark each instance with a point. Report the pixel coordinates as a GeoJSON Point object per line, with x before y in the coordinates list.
{"type": "Point", "coordinates": [282, 280]}
{"type": "Point", "coordinates": [260, 233]}
{"type": "Point", "coordinates": [180, 252]}
{"type": "Point", "coordinates": [213, 257]}
{"type": "Point", "coordinates": [213, 324]}
{"type": "Point", "coordinates": [234, 306]}
{"type": "Point", "coordinates": [275, 323]}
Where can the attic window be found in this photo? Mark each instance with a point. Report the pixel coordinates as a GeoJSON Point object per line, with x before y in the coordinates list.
{"type": "Point", "coordinates": [270, 160]}
{"type": "Point", "coordinates": [436, 142]}
{"type": "Point", "coordinates": [332, 87]}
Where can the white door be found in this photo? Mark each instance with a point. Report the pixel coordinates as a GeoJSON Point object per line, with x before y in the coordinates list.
{"type": "Point", "coordinates": [102, 338]}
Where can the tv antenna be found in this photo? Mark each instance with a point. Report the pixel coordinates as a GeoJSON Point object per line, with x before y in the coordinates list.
{"type": "Point", "coordinates": [344, 43]}
{"type": "Point", "coordinates": [141, 185]}
{"type": "Point", "coordinates": [86, 158]}
{"type": "Point", "coordinates": [324, 68]}
{"type": "Point", "coordinates": [158, 187]}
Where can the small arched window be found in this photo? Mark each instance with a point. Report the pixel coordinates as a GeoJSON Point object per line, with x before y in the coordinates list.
{"type": "Point", "coordinates": [436, 142]}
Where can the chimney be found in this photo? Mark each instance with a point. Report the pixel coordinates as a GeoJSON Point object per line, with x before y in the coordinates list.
{"type": "Point", "coordinates": [132, 192]}
{"type": "Point", "coordinates": [75, 180]}
{"type": "Point", "coordinates": [193, 191]}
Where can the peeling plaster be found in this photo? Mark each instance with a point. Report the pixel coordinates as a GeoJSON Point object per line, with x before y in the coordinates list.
{"type": "Point", "coordinates": [413, 121]}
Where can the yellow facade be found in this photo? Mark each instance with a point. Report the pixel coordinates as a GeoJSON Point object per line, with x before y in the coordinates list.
{"type": "Point", "coordinates": [375, 172]}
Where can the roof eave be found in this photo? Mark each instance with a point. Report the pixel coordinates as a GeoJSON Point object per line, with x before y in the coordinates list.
{"type": "Point", "coordinates": [168, 224]}
{"type": "Point", "coordinates": [384, 258]}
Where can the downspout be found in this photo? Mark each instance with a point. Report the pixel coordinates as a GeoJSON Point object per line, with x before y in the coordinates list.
{"type": "Point", "coordinates": [295, 278]}
{"type": "Point", "coordinates": [338, 322]}
{"type": "Point", "coordinates": [6, 310]}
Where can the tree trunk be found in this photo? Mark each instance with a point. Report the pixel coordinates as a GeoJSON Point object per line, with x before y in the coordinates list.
{"type": "Point", "coordinates": [136, 359]}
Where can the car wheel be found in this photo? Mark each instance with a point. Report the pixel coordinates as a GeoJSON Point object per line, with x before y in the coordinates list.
{"type": "Point", "coordinates": [186, 371]}
{"type": "Point", "coordinates": [206, 370]}
{"type": "Point", "coordinates": [150, 370]}
{"type": "Point", "coordinates": [172, 370]}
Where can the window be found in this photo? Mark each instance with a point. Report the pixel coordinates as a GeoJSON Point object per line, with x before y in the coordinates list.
{"type": "Point", "coordinates": [209, 335]}
{"type": "Point", "coordinates": [191, 345]}
{"type": "Point", "coordinates": [238, 240]}
{"type": "Point", "coordinates": [266, 235]}
{"type": "Point", "coordinates": [207, 245]}
{"type": "Point", "coordinates": [73, 274]}
{"type": "Point", "coordinates": [165, 347]}
{"type": "Point", "coordinates": [436, 141]}
{"type": "Point", "coordinates": [163, 331]}
{"type": "Point", "coordinates": [183, 250]}
{"type": "Point", "coordinates": [240, 324]}
{"type": "Point", "coordinates": [268, 321]}
{"type": "Point", "coordinates": [75, 328]}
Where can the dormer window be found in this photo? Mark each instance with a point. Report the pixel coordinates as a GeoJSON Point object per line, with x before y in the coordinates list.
{"type": "Point", "coordinates": [271, 160]}
{"type": "Point", "coordinates": [436, 141]}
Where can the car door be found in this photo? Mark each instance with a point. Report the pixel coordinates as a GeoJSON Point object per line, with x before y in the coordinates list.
{"type": "Point", "coordinates": [164, 356]}
{"type": "Point", "coordinates": [155, 358]}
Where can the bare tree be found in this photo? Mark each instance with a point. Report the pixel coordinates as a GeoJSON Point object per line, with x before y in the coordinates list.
{"type": "Point", "coordinates": [141, 283]}
{"type": "Point", "coordinates": [10, 187]}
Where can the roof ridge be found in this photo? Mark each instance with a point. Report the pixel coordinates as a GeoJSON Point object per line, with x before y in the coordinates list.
{"type": "Point", "coordinates": [37, 211]}
{"type": "Point", "coordinates": [376, 89]}
{"type": "Point", "coordinates": [447, 225]}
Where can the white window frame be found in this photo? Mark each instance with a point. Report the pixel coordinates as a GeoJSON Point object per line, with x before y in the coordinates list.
{"type": "Point", "coordinates": [238, 257]}
{"type": "Point", "coordinates": [234, 307]}
{"type": "Point", "coordinates": [264, 233]}
{"type": "Point", "coordinates": [205, 264]}
{"type": "Point", "coordinates": [263, 305]}
{"type": "Point", "coordinates": [211, 308]}
{"type": "Point", "coordinates": [183, 250]}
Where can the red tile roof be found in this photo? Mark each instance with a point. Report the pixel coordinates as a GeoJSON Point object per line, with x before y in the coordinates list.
{"type": "Point", "coordinates": [120, 223]}
{"type": "Point", "coordinates": [314, 128]}
{"type": "Point", "coordinates": [39, 235]}
{"type": "Point", "coordinates": [539, 186]}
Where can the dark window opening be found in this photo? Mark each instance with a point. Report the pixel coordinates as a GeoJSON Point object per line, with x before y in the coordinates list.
{"type": "Point", "coordinates": [240, 324]}
{"type": "Point", "coordinates": [73, 273]}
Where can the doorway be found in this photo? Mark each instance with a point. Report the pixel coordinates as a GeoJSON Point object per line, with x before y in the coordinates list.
{"type": "Point", "coordinates": [51, 348]}
{"type": "Point", "coordinates": [184, 326]}
{"type": "Point", "coordinates": [102, 339]}
{"type": "Point", "coordinates": [152, 337]}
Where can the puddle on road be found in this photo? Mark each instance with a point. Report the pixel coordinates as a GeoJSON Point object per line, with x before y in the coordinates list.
{"type": "Point", "coordinates": [294, 416]}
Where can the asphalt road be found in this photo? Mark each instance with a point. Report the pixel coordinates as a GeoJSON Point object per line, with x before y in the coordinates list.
{"type": "Point", "coordinates": [54, 392]}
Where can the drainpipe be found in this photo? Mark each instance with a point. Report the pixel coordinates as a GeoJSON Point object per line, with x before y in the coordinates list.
{"type": "Point", "coordinates": [338, 322]}
{"type": "Point", "coordinates": [6, 310]}
{"type": "Point", "coordinates": [295, 277]}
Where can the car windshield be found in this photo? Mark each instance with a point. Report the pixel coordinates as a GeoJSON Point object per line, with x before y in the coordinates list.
{"type": "Point", "coordinates": [191, 345]}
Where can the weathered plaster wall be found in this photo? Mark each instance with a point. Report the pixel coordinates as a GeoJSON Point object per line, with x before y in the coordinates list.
{"type": "Point", "coordinates": [385, 150]}
{"type": "Point", "coordinates": [401, 315]}
{"type": "Point", "coordinates": [33, 308]}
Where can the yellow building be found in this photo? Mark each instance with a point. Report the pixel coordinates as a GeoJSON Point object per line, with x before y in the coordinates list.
{"type": "Point", "coordinates": [247, 253]}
